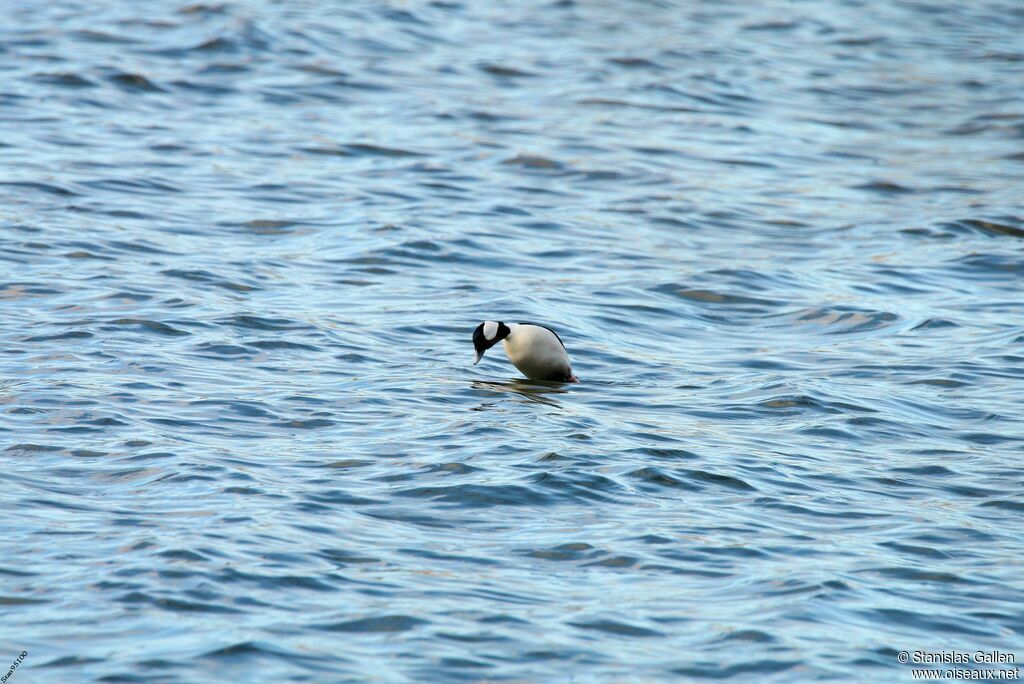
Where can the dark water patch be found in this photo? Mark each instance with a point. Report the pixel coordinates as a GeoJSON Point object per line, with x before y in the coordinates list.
{"type": "Point", "coordinates": [634, 63]}
{"type": "Point", "coordinates": [387, 624]}
{"type": "Point", "coordinates": [327, 151]}
{"type": "Point", "coordinates": [616, 628]}
{"type": "Point", "coordinates": [452, 468]}
{"type": "Point", "coordinates": [339, 497]}
{"type": "Point", "coordinates": [667, 453]}
{"type": "Point", "coordinates": [366, 150]}
{"type": "Point", "coordinates": [934, 323]}
{"type": "Point", "coordinates": [832, 434]}
{"type": "Point", "coordinates": [226, 350]}
{"type": "Point", "coordinates": [149, 326]}
{"type": "Point", "coordinates": [614, 562]}
{"type": "Point", "coordinates": [210, 47]}
{"type": "Point", "coordinates": [928, 623]}
{"type": "Point", "coordinates": [842, 321]}
{"type": "Point", "coordinates": [310, 424]}
{"type": "Point", "coordinates": [243, 408]}
{"type": "Point", "coordinates": [93, 36]}
{"type": "Point", "coordinates": [773, 26]}
{"type": "Point", "coordinates": [989, 438]}
{"type": "Point", "coordinates": [660, 478]}
{"type": "Point", "coordinates": [65, 79]}
{"type": "Point", "coordinates": [578, 486]}
{"type": "Point", "coordinates": [217, 44]}
{"type": "Point", "coordinates": [885, 188]}
{"type": "Point", "coordinates": [181, 554]}
{"type": "Point", "coordinates": [916, 575]}
{"type": "Point", "coordinates": [80, 254]}
{"type": "Point", "coordinates": [534, 162]}
{"type": "Point", "coordinates": [433, 555]}
{"type": "Point", "coordinates": [932, 470]}
{"type": "Point", "coordinates": [861, 41]}
{"type": "Point", "coordinates": [206, 277]}
{"type": "Point", "coordinates": [798, 402]}
{"type": "Point", "coordinates": [749, 635]}
{"type": "Point", "coordinates": [355, 358]}
{"type": "Point", "coordinates": [33, 448]}
{"type": "Point", "coordinates": [727, 481]}
{"type": "Point", "coordinates": [745, 162]}
{"type": "Point", "coordinates": [19, 601]}
{"type": "Point", "coordinates": [134, 83]}
{"type": "Point", "coordinates": [602, 175]}
{"type": "Point", "coordinates": [479, 496]}
{"type": "Point", "coordinates": [70, 335]}
{"type": "Point", "coordinates": [282, 344]}
{"type": "Point", "coordinates": [201, 87]}
{"type": "Point", "coordinates": [1015, 506]}
{"type": "Point", "coordinates": [134, 186]}
{"type": "Point", "coordinates": [48, 188]}
{"type": "Point", "coordinates": [913, 550]}
{"type": "Point", "coordinates": [343, 558]}
{"type": "Point", "coordinates": [991, 227]}
{"type": "Point", "coordinates": [503, 71]}
{"type": "Point", "coordinates": [615, 103]}
{"type": "Point", "coordinates": [710, 297]}
{"type": "Point", "coordinates": [254, 322]}
{"type": "Point", "coordinates": [572, 551]}
{"type": "Point", "coordinates": [267, 226]}
{"type": "Point", "coordinates": [225, 68]}
{"type": "Point", "coordinates": [990, 266]}
{"type": "Point", "coordinates": [242, 651]}
{"type": "Point", "coordinates": [755, 668]}
{"type": "Point", "coordinates": [71, 661]}
{"type": "Point", "coordinates": [768, 502]}
{"type": "Point", "coordinates": [176, 605]}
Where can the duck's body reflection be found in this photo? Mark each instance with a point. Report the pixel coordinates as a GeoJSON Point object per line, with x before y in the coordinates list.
{"type": "Point", "coordinates": [539, 391]}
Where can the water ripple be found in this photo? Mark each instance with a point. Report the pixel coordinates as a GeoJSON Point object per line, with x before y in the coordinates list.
{"type": "Point", "coordinates": [245, 246]}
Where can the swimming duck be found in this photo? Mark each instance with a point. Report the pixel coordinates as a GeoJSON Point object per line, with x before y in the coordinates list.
{"type": "Point", "coordinates": [536, 351]}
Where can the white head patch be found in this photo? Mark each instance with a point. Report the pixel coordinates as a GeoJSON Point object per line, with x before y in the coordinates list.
{"type": "Point", "coordinates": [490, 330]}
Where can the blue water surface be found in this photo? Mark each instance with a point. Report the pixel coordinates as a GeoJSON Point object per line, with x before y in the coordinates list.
{"type": "Point", "coordinates": [243, 248]}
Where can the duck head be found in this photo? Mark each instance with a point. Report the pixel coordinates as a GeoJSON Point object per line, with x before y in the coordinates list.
{"type": "Point", "coordinates": [486, 335]}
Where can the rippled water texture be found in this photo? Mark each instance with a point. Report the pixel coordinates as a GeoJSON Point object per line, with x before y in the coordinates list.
{"type": "Point", "coordinates": [244, 246]}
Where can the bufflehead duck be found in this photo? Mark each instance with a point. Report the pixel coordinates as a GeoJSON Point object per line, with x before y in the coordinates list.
{"type": "Point", "coordinates": [536, 351]}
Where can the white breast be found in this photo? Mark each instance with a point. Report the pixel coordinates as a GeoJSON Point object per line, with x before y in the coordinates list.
{"type": "Point", "coordinates": [537, 352]}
